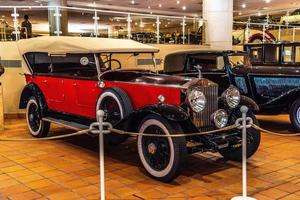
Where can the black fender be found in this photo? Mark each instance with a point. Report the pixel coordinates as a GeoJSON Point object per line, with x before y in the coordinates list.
{"type": "Point", "coordinates": [169, 112]}
{"type": "Point", "coordinates": [29, 91]}
{"type": "Point", "coordinates": [250, 103]}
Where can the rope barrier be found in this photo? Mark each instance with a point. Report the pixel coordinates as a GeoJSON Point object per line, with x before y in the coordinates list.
{"type": "Point", "coordinates": [274, 133]}
{"type": "Point", "coordinates": [94, 131]}
{"type": "Point", "coordinates": [121, 132]}
{"type": "Point", "coordinates": [86, 131]}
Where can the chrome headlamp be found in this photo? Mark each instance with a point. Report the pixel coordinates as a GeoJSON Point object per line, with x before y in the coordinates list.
{"type": "Point", "coordinates": [232, 96]}
{"type": "Point", "coordinates": [220, 118]}
{"type": "Point", "coordinates": [196, 100]}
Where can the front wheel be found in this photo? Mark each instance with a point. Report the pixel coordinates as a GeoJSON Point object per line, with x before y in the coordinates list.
{"type": "Point", "coordinates": [295, 115]}
{"type": "Point", "coordinates": [162, 157]}
{"type": "Point", "coordinates": [234, 150]}
{"type": "Point", "coordinates": [37, 127]}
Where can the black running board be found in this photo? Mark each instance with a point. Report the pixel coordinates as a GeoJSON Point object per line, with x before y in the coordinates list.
{"type": "Point", "coordinates": [68, 124]}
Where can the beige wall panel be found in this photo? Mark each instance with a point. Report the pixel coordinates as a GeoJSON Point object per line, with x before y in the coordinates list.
{"type": "Point", "coordinates": [12, 81]}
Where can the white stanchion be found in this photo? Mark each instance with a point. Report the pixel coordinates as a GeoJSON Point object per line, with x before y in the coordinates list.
{"type": "Point", "coordinates": [244, 196]}
{"type": "Point", "coordinates": [100, 115]}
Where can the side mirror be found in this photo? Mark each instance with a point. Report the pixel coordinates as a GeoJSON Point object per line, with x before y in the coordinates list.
{"type": "Point", "coordinates": [198, 68]}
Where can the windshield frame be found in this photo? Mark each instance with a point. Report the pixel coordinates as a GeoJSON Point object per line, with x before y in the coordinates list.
{"type": "Point", "coordinates": [249, 64]}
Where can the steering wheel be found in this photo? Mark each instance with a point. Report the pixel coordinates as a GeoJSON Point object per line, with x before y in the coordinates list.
{"type": "Point", "coordinates": [110, 60]}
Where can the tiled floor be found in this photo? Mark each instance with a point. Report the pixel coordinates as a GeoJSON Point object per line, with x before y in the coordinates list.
{"type": "Point", "coordinates": [69, 170]}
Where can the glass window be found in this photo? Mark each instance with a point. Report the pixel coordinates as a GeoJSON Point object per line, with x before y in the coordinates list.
{"type": "Point", "coordinates": [256, 54]}
{"type": "Point", "coordinates": [81, 65]}
{"type": "Point", "coordinates": [297, 54]}
{"type": "Point", "coordinates": [39, 62]}
{"type": "Point", "coordinates": [288, 54]}
{"type": "Point", "coordinates": [206, 61]}
{"type": "Point", "coordinates": [239, 61]}
{"type": "Point", "coordinates": [271, 54]}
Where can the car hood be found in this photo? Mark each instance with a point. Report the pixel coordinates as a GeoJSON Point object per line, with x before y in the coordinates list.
{"type": "Point", "coordinates": [146, 77]}
{"type": "Point", "coordinates": [278, 70]}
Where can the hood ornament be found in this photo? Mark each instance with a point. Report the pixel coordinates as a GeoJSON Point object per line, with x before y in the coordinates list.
{"type": "Point", "coordinates": [198, 68]}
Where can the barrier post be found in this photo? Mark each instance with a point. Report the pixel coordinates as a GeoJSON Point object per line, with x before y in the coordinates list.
{"type": "Point", "coordinates": [244, 110]}
{"type": "Point", "coordinates": [100, 115]}
{"type": "Point", "coordinates": [1, 109]}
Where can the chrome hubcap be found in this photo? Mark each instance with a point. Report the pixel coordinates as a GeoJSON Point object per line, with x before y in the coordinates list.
{"type": "Point", "coordinates": [152, 148]}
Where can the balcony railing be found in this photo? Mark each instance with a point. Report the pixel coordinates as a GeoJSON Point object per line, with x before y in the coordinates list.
{"type": "Point", "coordinates": [86, 22]}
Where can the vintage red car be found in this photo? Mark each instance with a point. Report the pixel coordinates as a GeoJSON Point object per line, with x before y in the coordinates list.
{"type": "Point", "coordinates": [70, 78]}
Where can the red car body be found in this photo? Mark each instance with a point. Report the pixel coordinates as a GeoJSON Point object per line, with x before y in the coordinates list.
{"type": "Point", "coordinates": [66, 94]}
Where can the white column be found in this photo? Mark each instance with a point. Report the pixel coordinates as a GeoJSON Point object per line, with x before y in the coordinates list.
{"type": "Point", "coordinates": [219, 17]}
{"type": "Point", "coordinates": [58, 23]}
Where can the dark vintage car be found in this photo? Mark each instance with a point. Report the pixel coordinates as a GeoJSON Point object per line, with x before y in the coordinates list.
{"type": "Point", "coordinates": [274, 54]}
{"type": "Point", "coordinates": [70, 78]}
{"type": "Point", "coordinates": [266, 89]}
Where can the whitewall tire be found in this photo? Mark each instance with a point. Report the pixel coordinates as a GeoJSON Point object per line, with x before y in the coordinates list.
{"type": "Point", "coordinates": [116, 105]}
{"type": "Point", "coordinates": [162, 157]}
{"type": "Point", "coordinates": [37, 127]}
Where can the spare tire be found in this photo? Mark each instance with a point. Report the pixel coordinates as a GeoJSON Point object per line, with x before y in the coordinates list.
{"type": "Point", "coordinates": [116, 105]}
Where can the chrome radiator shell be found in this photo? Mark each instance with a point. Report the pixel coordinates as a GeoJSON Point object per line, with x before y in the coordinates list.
{"type": "Point", "coordinates": [210, 90]}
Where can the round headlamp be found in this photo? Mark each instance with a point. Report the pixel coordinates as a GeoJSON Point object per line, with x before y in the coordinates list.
{"type": "Point", "coordinates": [197, 100]}
{"type": "Point", "coordinates": [232, 97]}
{"type": "Point", "coordinates": [220, 118]}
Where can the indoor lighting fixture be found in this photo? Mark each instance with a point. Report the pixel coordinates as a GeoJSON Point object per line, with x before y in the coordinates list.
{"type": "Point", "coordinates": [183, 7]}
{"type": "Point", "coordinates": [178, 2]}
{"type": "Point", "coordinates": [240, 13]}
{"type": "Point", "coordinates": [268, 1]}
{"type": "Point", "coordinates": [244, 5]}
{"type": "Point", "coordinates": [132, 2]}
{"type": "Point", "coordinates": [159, 5]}
{"type": "Point", "coordinates": [149, 7]}
{"type": "Point", "coordinates": [259, 14]}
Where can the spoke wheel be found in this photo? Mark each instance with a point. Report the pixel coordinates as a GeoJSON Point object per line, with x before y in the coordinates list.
{"type": "Point", "coordinates": [37, 127]}
{"type": "Point", "coordinates": [157, 151]}
{"type": "Point", "coordinates": [163, 158]}
{"type": "Point", "coordinates": [295, 115]}
{"type": "Point", "coordinates": [116, 105]}
{"type": "Point", "coordinates": [112, 110]}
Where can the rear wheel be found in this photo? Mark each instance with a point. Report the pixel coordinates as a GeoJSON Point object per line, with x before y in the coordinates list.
{"type": "Point", "coordinates": [234, 151]}
{"type": "Point", "coordinates": [295, 115]}
{"type": "Point", "coordinates": [37, 127]}
{"type": "Point", "coordinates": [116, 105]}
{"type": "Point", "coordinates": [162, 157]}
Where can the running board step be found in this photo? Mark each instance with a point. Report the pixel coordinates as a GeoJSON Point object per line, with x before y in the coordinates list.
{"type": "Point", "coordinates": [68, 124]}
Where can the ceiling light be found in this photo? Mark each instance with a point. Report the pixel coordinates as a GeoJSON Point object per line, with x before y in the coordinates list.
{"type": "Point", "coordinates": [240, 13]}
{"type": "Point", "coordinates": [183, 7]}
{"type": "Point", "coordinates": [132, 2]}
{"type": "Point", "coordinates": [159, 5]}
{"type": "Point", "coordinates": [259, 14]}
{"type": "Point", "coordinates": [268, 1]}
{"type": "Point", "coordinates": [244, 5]}
{"type": "Point", "coordinates": [178, 2]}
{"type": "Point", "coordinates": [149, 7]}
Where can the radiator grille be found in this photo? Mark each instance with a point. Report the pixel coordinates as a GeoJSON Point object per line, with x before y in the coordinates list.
{"type": "Point", "coordinates": [203, 119]}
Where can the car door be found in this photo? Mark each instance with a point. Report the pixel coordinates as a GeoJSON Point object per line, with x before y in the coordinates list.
{"type": "Point", "coordinates": [51, 86]}
{"type": "Point", "coordinates": [85, 87]}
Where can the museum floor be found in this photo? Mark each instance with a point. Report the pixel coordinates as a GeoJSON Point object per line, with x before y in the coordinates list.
{"type": "Point", "coordinates": [69, 169]}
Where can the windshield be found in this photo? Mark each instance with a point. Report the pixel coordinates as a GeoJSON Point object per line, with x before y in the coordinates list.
{"type": "Point", "coordinates": [127, 61]}
{"type": "Point", "coordinates": [239, 61]}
